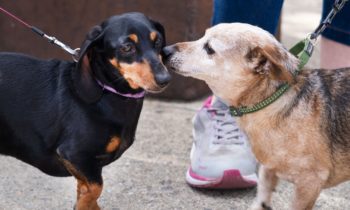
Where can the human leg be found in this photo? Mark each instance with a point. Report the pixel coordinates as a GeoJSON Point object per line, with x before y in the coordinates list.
{"type": "Point", "coordinates": [335, 41]}
{"type": "Point", "coordinates": [264, 14]}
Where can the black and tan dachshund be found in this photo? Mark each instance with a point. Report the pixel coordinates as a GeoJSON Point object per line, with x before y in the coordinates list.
{"type": "Point", "coordinates": [68, 118]}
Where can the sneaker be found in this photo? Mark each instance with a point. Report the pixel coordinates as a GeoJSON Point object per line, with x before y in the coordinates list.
{"type": "Point", "coordinates": [221, 156]}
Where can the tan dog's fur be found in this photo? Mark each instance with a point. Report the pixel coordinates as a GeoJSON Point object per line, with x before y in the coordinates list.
{"type": "Point", "coordinates": [303, 137]}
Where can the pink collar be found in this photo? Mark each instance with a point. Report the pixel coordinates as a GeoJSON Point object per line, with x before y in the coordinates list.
{"type": "Point", "coordinates": [128, 95]}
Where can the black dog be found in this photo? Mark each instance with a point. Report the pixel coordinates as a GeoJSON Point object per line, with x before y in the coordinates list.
{"type": "Point", "coordinates": [69, 118]}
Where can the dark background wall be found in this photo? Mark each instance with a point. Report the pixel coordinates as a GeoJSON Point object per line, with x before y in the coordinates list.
{"type": "Point", "coordinates": [70, 20]}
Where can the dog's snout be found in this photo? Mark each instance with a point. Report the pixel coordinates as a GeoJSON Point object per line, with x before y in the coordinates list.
{"type": "Point", "coordinates": [168, 51]}
{"type": "Point", "coordinates": [163, 78]}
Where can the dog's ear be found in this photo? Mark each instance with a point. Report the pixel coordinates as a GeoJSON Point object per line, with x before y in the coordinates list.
{"type": "Point", "coordinates": [91, 38]}
{"type": "Point", "coordinates": [83, 75]}
{"type": "Point", "coordinates": [272, 62]}
{"type": "Point", "coordinates": [159, 27]}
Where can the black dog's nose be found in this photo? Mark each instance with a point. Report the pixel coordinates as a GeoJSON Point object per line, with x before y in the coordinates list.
{"type": "Point", "coordinates": [168, 51]}
{"type": "Point", "coordinates": [163, 78]}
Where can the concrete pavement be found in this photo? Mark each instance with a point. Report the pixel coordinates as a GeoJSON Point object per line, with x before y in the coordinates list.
{"type": "Point", "coordinates": [151, 174]}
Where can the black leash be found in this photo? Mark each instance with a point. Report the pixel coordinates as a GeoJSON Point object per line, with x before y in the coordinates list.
{"type": "Point", "coordinates": [51, 39]}
{"type": "Point", "coordinates": [337, 6]}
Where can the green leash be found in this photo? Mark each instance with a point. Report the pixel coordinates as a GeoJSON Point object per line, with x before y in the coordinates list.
{"type": "Point", "coordinates": [303, 51]}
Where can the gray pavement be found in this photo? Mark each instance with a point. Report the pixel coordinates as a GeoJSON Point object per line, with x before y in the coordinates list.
{"type": "Point", "coordinates": [151, 174]}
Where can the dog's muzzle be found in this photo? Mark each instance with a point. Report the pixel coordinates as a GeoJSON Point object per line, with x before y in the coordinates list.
{"type": "Point", "coordinates": [168, 51]}
{"type": "Point", "coordinates": [168, 59]}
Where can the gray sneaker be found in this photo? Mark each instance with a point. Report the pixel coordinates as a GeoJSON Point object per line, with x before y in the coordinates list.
{"type": "Point", "coordinates": [221, 156]}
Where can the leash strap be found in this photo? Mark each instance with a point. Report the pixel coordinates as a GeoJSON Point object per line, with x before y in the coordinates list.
{"type": "Point", "coordinates": [51, 39]}
{"type": "Point", "coordinates": [74, 53]}
{"type": "Point", "coordinates": [337, 6]}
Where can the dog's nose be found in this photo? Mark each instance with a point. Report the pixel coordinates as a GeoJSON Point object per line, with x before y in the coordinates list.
{"type": "Point", "coordinates": [163, 78]}
{"type": "Point", "coordinates": [168, 51]}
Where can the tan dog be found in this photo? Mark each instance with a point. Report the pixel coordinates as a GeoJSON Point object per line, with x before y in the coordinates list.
{"type": "Point", "coordinates": [303, 137]}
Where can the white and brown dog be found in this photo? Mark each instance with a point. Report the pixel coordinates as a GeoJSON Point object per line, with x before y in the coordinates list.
{"type": "Point", "coordinates": [304, 136]}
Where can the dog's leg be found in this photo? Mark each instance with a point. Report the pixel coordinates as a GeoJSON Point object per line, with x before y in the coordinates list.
{"type": "Point", "coordinates": [87, 195]}
{"type": "Point", "coordinates": [306, 193]}
{"type": "Point", "coordinates": [267, 183]}
{"type": "Point", "coordinates": [89, 185]}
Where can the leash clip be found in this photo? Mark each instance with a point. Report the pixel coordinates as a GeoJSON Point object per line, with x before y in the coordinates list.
{"type": "Point", "coordinates": [338, 4]}
{"type": "Point", "coordinates": [76, 55]}
{"type": "Point", "coordinates": [53, 40]}
{"type": "Point", "coordinates": [310, 44]}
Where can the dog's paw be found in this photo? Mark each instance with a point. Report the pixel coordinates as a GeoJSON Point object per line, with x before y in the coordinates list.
{"type": "Point", "coordinates": [260, 206]}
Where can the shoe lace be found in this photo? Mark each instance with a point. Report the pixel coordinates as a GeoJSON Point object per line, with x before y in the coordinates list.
{"type": "Point", "coordinates": [226, 129]}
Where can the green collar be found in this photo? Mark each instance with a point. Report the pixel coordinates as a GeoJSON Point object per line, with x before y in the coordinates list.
{"type": "Point", "coordinates": [303, 51]}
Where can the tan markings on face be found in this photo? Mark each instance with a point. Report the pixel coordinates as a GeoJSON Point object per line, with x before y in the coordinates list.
{"type": "Point", "coordinates": [153, 35]}
{"type": "Point", "coordinates": [138, 75]}
{"type": "Point", "coordinates": [113, 144]}
{"type": "Point", "coordinates": [115, 63]}
{"type": "Point", "coordinates": [134, 38]}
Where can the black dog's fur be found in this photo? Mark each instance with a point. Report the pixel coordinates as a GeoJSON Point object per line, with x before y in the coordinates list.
{"type": "Point", "coordinates": [54, 115]}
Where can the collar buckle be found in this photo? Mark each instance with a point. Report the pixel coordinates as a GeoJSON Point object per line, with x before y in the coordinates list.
{"type": "Point", "coordinates": [236, 111]}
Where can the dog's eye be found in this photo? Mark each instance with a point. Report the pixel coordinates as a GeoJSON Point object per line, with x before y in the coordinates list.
{"type": "Point", "coordinates": [208, 49]}
{"type": "Point", "coordinates": [127, 48]}
{"type": "Point", "coordinates": [158, 43]}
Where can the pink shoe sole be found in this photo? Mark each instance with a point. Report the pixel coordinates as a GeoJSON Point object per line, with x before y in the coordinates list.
{"type": "Point", "coordinates": [231, 179]}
